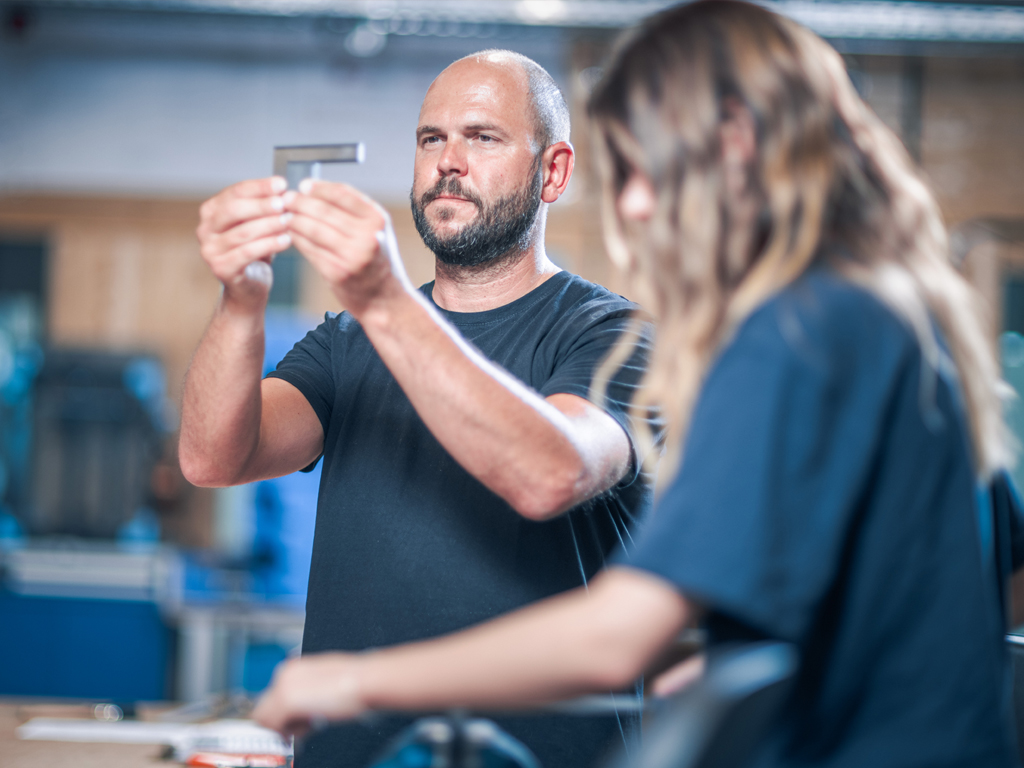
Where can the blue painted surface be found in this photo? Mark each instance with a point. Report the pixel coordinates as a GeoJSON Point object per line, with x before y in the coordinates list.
{"type": "Point", "coordinates": [77, 648]}
{"type": "Point", "coordinates": [285, 513]}
{"type": "Point", "coordinates": [260, 661]}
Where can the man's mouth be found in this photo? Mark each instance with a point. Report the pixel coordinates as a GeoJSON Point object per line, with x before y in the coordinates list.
{"type": "Point", "coordinates": [451, 190]}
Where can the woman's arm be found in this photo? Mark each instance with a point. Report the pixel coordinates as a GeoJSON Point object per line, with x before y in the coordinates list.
{"type": "Point", "coordinates": [579, 642]}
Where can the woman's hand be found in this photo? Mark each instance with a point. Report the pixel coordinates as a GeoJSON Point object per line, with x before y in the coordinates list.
{"type": "Point", "coordinates": [675, 678]}
{"type": "Point", "coordinates": [309, 689]}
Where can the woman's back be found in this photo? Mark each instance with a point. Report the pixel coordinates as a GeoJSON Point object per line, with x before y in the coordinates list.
{"type": "Point", "coordinates": [827, 498]}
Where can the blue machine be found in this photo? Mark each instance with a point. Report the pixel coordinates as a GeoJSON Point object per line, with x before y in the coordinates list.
{"type": "Point", "coordinates": [91, 606]}
{"type": "Point", "coordinates": [84, 593]}
{"type": "Point", "coordinates": [87, 620]}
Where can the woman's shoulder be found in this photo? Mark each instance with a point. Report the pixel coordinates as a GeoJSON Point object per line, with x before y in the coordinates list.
{"type": "Point", "coordinates": [823, 315]}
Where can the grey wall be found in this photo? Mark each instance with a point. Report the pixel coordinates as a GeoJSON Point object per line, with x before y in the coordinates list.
{"type": "Point", "coordinates": [158, 104]}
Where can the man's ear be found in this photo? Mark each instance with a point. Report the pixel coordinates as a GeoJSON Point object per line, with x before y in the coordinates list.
{"type": "Point", "coordinates": [557, 163]}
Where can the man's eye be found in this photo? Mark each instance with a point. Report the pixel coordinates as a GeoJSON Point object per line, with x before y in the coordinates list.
{"type": "Point", "coordinates": [485, 138]}
{"type": "Point", "coordinates": [428, 140]}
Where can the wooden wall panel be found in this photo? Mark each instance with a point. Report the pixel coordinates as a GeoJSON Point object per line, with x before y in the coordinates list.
{"type": "Point", "coordinates": [972, 139]}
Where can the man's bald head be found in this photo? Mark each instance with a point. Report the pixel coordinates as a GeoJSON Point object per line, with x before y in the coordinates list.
{"type": "Point", "coordinates": [488, 125]}
{"type": "Point", "coordinates": [550, 112]}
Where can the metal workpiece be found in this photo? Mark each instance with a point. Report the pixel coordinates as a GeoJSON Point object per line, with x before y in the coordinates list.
{"type": "Point", "coordinates": [304, 162]}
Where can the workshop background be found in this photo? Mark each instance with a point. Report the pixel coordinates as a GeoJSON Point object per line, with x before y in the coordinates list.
{"type": "Point", "coordinates": [122, 582]}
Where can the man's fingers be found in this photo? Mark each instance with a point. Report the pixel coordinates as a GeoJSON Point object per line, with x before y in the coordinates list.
{"type": "Point", "coordinates": [229, 253]}
{"type": "Point", "coordinates": [323, 261]}
{"type": "Point", "coordinates": [221, 214]}
{"type": "Point", "coordinates": [272, 185]}
{"type": "Point", "coordinates": [340, 240]}
{"type": "Point", "coordinates": [254, 229]}
{"type": "Point", "coordinates": [340, 195]}
{"type": "Point", "coordinates": [322, 211]}
{"type": "Point", "coordinates": [244, 200]}
{"type": "Point", "coordinates": [341, 218]}
{"type": "Point", "coordinates": [233, 263]}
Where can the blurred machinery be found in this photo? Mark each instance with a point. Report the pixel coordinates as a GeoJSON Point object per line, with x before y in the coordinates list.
{"type": "Point", "coordinates": [86, 588]}
{"type": "Point", "coordinates": [98, 607]}
{"type": "Point", "coordinates": [98, 430]}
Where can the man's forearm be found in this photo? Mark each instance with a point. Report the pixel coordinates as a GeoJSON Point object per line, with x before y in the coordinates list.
{"type": "Point", "coordinates": [220, 414]}
{"type": "Point", "coordinates": [540, 458]}
{"type": "Point", "coordinates": [503, 433]}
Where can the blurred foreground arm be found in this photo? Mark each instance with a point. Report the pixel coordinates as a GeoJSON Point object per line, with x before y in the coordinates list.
{"type": "Point", "coordinates": [235, 428]}
{"type": "Point", "coordinates": [576, 643]}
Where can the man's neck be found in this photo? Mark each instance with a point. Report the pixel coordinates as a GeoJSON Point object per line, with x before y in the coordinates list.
{"type": "Point", "coordinates": [477, 289]}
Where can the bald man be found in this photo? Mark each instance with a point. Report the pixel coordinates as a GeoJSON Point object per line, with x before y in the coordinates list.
{"type": "Point", "coordinates": [465, 471]}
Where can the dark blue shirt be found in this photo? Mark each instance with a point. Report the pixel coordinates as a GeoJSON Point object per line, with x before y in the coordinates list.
{"type": "Point", "coordinates": [409, 545]}
{"type": "Point", "coordinates": [827, 498]}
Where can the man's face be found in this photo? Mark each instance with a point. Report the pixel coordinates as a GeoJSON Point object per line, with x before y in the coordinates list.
{"type": "Point", "coordinates": [476, 188]}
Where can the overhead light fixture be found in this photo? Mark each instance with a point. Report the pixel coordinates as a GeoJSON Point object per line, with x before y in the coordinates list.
{"type": "Point", "coordinates": [365, 41]}
{"type": "Point", "coordinates": [543, 11]}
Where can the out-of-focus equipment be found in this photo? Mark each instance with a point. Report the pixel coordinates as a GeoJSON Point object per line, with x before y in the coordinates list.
{"type": "Point", "coordinates": [453, 742]}
{"type": "Point", "coordinates": [99, 426]}
{"type": "Point", "coordinates": [91, 590]}
{"type": "Point", "coordinates": [223, 743]}
{"type": "Point", "coordinates": [91, 620]}
{"type": "Point", "coordinates": [298, 163]}
{"type": "Point", "coordinates": [718, 721]}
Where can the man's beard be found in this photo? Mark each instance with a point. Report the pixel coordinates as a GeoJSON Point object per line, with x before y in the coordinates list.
{"type": "Point", "coordinates": [500, 231]}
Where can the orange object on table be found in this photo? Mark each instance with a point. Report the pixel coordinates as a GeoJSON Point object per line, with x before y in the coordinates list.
{"type": "Point", "coordinates": [227, 760]}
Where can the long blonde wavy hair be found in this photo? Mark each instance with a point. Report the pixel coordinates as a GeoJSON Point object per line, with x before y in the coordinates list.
{"type": "Point", "coordinates": [831, 183]}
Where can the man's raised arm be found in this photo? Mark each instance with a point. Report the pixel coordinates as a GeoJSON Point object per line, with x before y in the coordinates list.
{"type": "Point", "coordinates": [543, 456]}
{"type": "Point", "coordinates": [235, 428]}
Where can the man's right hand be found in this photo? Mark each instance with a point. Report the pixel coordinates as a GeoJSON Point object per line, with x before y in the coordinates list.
{"type": "Point", "coordinates": [235, 428]}
{"type": "Point", "coordinates": [240, 230]}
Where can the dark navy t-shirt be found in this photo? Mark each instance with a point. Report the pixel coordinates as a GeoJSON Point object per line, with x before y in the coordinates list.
{"type": "Point", "coordinates": [408, 545]}
{"type": "Point", "coordinates": [827, 498]}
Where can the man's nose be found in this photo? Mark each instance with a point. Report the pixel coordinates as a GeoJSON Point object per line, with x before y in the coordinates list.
{"type": "Point", "coordinates": [453, 160]}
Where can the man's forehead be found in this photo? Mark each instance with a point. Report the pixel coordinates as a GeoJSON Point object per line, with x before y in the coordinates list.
{"type": "Point", "coordinates": [475, 84]}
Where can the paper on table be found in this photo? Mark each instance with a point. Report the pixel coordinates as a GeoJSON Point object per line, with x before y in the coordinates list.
{"type": "Point", "coordinates": [232, 736]}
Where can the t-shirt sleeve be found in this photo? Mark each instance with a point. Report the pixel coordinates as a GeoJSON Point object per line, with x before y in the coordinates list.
{"type": "Point", "coordinates": [779, 443]}
{"type": "Point", "coordinates": [308, 368]}
{"type": "Point", "coordinates": [576, 368]}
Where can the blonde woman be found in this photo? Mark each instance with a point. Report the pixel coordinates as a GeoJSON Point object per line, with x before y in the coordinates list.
{"type": "Point", "coordinates": [833, 419]}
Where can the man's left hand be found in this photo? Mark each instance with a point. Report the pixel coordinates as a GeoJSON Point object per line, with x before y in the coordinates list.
{"type": "Point", "coordinates": [349, 240]}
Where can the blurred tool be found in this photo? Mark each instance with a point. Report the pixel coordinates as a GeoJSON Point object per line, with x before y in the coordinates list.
{"type": "Point", "coordinates": [232, 740]}
{"type": "Point", "coordinates": [221, 760]}
{"type": "Point", "coordinates": [453, 742]}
